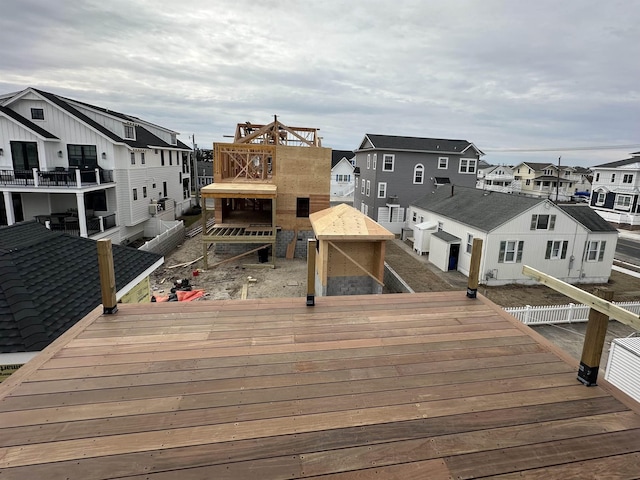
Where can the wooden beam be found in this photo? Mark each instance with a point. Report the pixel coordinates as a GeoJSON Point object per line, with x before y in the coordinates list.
{"type": "Point", "coordinates": [474, 268]}
{"type": "Point", "coordinates": [580, 296]}
{"type": "Point", "coordinates": [311, 271]}
{"type": "Point", "coordinates": [355, 263]}
{"type": "Point", "coordinates": [594, 342]}
{"type": "Point", "coordinates": [107, 276]}
{"type": "Point", "coordinates": [239, 256]}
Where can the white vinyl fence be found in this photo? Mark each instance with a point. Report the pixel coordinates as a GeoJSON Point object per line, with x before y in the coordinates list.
{"type": "Point", "coordinates": [570, 313]}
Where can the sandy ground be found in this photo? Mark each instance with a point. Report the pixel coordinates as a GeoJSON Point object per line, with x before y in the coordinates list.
{"type": "Point", "coordinates": [226, 281]}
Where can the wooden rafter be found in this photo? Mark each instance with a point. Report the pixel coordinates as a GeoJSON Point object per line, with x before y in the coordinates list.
{"type": "Point", "coordinates": [276, 133]}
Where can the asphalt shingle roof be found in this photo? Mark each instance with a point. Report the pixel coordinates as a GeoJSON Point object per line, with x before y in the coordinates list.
{"type": "Point", "coordinates": [619, 163]}
{"type": "Point", "coordinates": [50, 281]}
{"type": "Point", "coordinates": [337, 155]}
{"type": "Point", "coordinates": [391, 142]}
{"type": "Point", "coordinates": [588, 217]}
{"type": "Point", "coordinates": [482, 209]}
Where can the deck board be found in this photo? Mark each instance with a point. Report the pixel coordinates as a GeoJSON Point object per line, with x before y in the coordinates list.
{"type": "Point", "coordinates": [430, 385]}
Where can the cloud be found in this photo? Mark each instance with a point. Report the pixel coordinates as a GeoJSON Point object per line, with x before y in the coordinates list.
{"type": "Point", "coordinates": [500, 74]}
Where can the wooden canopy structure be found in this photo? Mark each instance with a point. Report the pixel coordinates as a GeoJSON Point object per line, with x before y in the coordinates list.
{"type": "Point", "coordinates": [351, 248]}
{"type": "Point", "coordinates": [277, 133]}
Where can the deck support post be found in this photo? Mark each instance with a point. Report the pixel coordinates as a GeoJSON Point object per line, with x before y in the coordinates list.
{"type": "Point", "coordinates": [474, 268]}
{"type": "Point", "coordinates": [107, 276]}
{"type": "Point", "coordinates": [594, 342]}
{"type": "Point", "coordinates": [311, 272]}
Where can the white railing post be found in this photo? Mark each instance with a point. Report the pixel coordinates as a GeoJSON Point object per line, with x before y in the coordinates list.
{"type": "Point", "coordinates": [36, 183]}
{"type": "Point", "coordinates": [101, 221]}
{"type": "Point", "coordinates": [570, 315]}
{"type": "Point", "coordinates": [527, 314]}
{"type": "Point", "coordinates": [97, 176]}
{"type": "Point", "coordinates": [78, 178]}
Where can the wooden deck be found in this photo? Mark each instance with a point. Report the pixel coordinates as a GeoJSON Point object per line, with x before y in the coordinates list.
{"type": "Point", "coordinates": [431, 385]}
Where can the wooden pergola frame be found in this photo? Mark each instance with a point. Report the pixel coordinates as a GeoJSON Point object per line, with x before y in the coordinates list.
{"type": "Point", "coordinates": [276, 133]}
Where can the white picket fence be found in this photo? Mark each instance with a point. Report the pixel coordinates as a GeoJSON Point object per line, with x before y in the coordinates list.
{"type": "Point", "coordinates": [552, 314]}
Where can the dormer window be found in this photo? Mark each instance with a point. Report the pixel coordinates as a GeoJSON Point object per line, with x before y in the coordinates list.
{"type": "Point", "coordinates": [37, 114]}
{"type": "Point", "coordinates": [129, 132]}
{"type": "Point", "coordinates": [174, 139]}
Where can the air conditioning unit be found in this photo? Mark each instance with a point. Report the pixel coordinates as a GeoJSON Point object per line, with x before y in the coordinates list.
{"type": "Point", "coordinates": [154, 208]}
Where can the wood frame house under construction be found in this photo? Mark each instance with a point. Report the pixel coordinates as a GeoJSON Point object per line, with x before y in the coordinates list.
{"type": "Point", "coordinates": [266, 184]}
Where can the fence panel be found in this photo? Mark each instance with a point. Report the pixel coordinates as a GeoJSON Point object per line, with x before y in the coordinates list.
{"type": "Point", "coordinates": [554, 314]}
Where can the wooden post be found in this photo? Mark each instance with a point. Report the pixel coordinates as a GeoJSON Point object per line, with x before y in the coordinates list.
{"type": "Point", "coordinates": [311, 272]}
{"type": "Point", "coordinates": [594, 342]}
{"type": "Point", "coordinates": [107, 276]}
{"type": "Point", "coordinates": [474, 268]}
{"type": "Point", "coordinates": [205, 255]}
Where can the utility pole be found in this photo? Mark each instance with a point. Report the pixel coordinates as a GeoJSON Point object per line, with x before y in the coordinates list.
{"type": "Point", "coordinates": [195, 170]}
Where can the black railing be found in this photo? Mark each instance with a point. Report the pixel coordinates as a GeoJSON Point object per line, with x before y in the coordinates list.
{"type": "Point", "coordinates": [69, 223]}
{"type": "Point", "coordinates": [59, 177]}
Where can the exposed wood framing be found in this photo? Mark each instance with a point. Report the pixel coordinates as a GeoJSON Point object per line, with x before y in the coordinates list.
{"type": "Point", "coordinates": [276, 133]}
{"type": "Point", "coordinates": [597, 303]}
{"type": "Point", "coordinates": [348, 257]}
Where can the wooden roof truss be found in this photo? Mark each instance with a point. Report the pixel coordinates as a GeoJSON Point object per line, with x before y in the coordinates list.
{"type": "Point", "coordinates": [276, 133]}
{"type": "Point", "coordinates": [244, 162]}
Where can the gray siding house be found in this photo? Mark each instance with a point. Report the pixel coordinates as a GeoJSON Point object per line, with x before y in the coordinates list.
{"type": "Point", "coordinates": [395, 171]}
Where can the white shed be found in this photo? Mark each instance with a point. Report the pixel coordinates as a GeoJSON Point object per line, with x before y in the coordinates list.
{"type": "Point", "coordinates": [624, 364]}
{"type": "Point", "coordinates": [422, 236]}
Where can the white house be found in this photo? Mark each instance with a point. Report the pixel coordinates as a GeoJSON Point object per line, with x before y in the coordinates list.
{"type": "Point", "coordinates": [342, 177]}
{"type": "Point", "coordinates": [570, 242]}
{"type": "Point", "coordinates": [616, 189]}
{"type": "Point", "coordinates": [85, 169]}
{"type": "Point", "coordinates": [498, 178]}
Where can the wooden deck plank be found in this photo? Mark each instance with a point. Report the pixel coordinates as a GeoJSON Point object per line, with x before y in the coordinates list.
{"type": "Point", "coordinates": [243, 450]}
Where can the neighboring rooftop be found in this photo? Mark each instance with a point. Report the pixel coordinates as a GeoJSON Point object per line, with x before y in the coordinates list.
{"type": "Point", "coordinates": [621, 163]}
{"type": "Point", "coordinates": [50, 281]}
{"type": "Point", "coordinates": [432, 385]}
{"type": "Point", "coordinates": [587, 217]}
{"type": "Point", "coordinates": [436, 145]}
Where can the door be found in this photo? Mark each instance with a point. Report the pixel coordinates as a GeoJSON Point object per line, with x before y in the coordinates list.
{"type": "Point", "coordinates": [454, 250]}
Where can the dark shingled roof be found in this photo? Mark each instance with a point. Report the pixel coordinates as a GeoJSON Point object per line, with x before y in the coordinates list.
{"type": "Point", "coordinates": [27, 123]}
{"type": "Point", "coordinates": [619, 163]}
{"type": "Point", "coordinates": [587, 217]}
{"type": "Point", "coordinates": [483, 209]}
{"type": "Point", "coordinates": [447, 237]}
{"type": "Point", "coordinates": [50, 281]}
{"type": "Point", "coordinates": [337, 155]}
{"type": "Point", "coordinates": [391, 142]}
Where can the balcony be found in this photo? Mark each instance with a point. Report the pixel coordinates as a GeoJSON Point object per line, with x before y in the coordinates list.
{"type": "Point", "coordinates": [59, 177]}
{"type": "Point", "coordinates": [69, 222]}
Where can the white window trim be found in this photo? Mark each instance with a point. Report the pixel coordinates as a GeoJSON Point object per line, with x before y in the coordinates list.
{"type": "Point", "coordinates": [133, 131]}
{"type": "Point", "coordinates": [619, 206]}
{"type": "Point", "coordinates": [375, 160]}
{"type": "Point", "coordinates": [507, 251]}
{"type": "Point", "coordinates": [469, 243]}
{"type": "Point", "coordinates": [468, 162]}
{"type": "Point", "coordinates": [362, 188]}
{"type": "Point", "coordinates": [418, 167]}
{"type": "Point", "coordinates": [368, 188]}
{"type": "Point", "coordinates": [368, 161]}
{"type": "Point", "coordinates": [558, 255]}
{"type": "Point", "coordinates": [382, 189]}
{"type": "Point", "coordinates": [627, 178]}
{"type": "Point", "coordinates": [604, 198]}
{"type": "Point", "coordinates": [446, 163]}
{"type": "Point", "coordinates": [384, 162]}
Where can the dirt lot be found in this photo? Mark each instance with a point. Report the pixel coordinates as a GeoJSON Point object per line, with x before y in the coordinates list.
{"type": "Point", "coordinates": [288, 279]}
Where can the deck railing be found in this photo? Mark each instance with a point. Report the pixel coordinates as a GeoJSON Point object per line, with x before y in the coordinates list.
{"type": "Point", "coordinates": [59, 177]}
{"type": "Point", "coordinates": [554, 314]}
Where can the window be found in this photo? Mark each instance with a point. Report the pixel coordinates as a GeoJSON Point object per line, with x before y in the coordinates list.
{"type": "Point", "coordinates": [556, 249]}
{"type": "Point", "coordinates": [467, 165]}
{"type": "Point", "coordinates": [443, 163]}
{"type": "Point", "coordinates": [133, 158]}
{"type": "Point", "coordinates": [368, 188]}
{"type": "Point", "coordinates": [382, 189]}
{"type": "Point", "coordinates": [469, 242]}
{"type": "Point", "coordinates": [144, 192]}
{"type": "Point", "coordinates": [627, 178]}
{"type": "Point", "coordinates": [510, 251]}
{"type": "Point", "coordinates": [170, 157]}
{"type": "Point", "coordinates": [135, 193]}
{"type": "Point", "coordinates": [418, 174]}
{"type": "Point", "coordinates": [37, 114]}
{"type": "Point", "coordinates": [440, 225]}
{"type": "Point", "coordinates": [597, 177]}
{"type": "Point", "coordinates": [174, 139]}
{"type": "Point", "coordinates": [594, 251]}
{"type": "Point", "coordinates": [388, 162]}
{"type": "Point", "coordinates": [82, 156]}
{"type": "Point", "coordinates": [368, 161]}
{"type": "Point", "coordinates": [543, 222]}
{"type": "Point", "coordinates": [129, 132]}
{"type": "Point", "coordinates": [24, 155]}
{"type": "Point", "coordinates": [142, 158]}
{"type": "Point", "coordinates": [343, 178]}
{"type": "Point", "coordinates": [162, 158]}
{"type": "Point", "coordinates": [623, 202]}
{"type": "Point", "coordinates": [527, 181]}
{"type": "Point", "coordinates": [375, 160]}
{"type": "Point", "coordinates": [601, 198]}
{"type": "Point", "coordinates": [414, 217]}
{"type": "Point", "coordinates": [302, 207]}
{"type": "Point", "coordinates": [362, 189]}
{"type": "Point", "coordinates": [613, 177]}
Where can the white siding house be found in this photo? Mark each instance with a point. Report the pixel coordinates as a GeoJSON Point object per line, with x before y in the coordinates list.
{"type": "Point", "coordinates": [84, 169]}
{"type": "Point", "coordinates": [342, 175]}
{"type": "Point", "coordinates": [570, 242]}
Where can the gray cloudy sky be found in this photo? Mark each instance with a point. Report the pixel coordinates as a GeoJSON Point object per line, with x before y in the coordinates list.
{"type": "Point", "coordinates": [507, 74]}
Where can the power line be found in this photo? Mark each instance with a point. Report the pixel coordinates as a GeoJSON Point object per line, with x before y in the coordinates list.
{"type": "Point", "coordinates": [561, 149]}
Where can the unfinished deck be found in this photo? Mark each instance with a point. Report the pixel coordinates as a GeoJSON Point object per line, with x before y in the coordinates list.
{"type": "Point", "coordinates": [429, 385]}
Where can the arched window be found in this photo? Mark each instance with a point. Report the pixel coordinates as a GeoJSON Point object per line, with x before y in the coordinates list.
{"type": "Point", "coordinates": [418, 174]}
